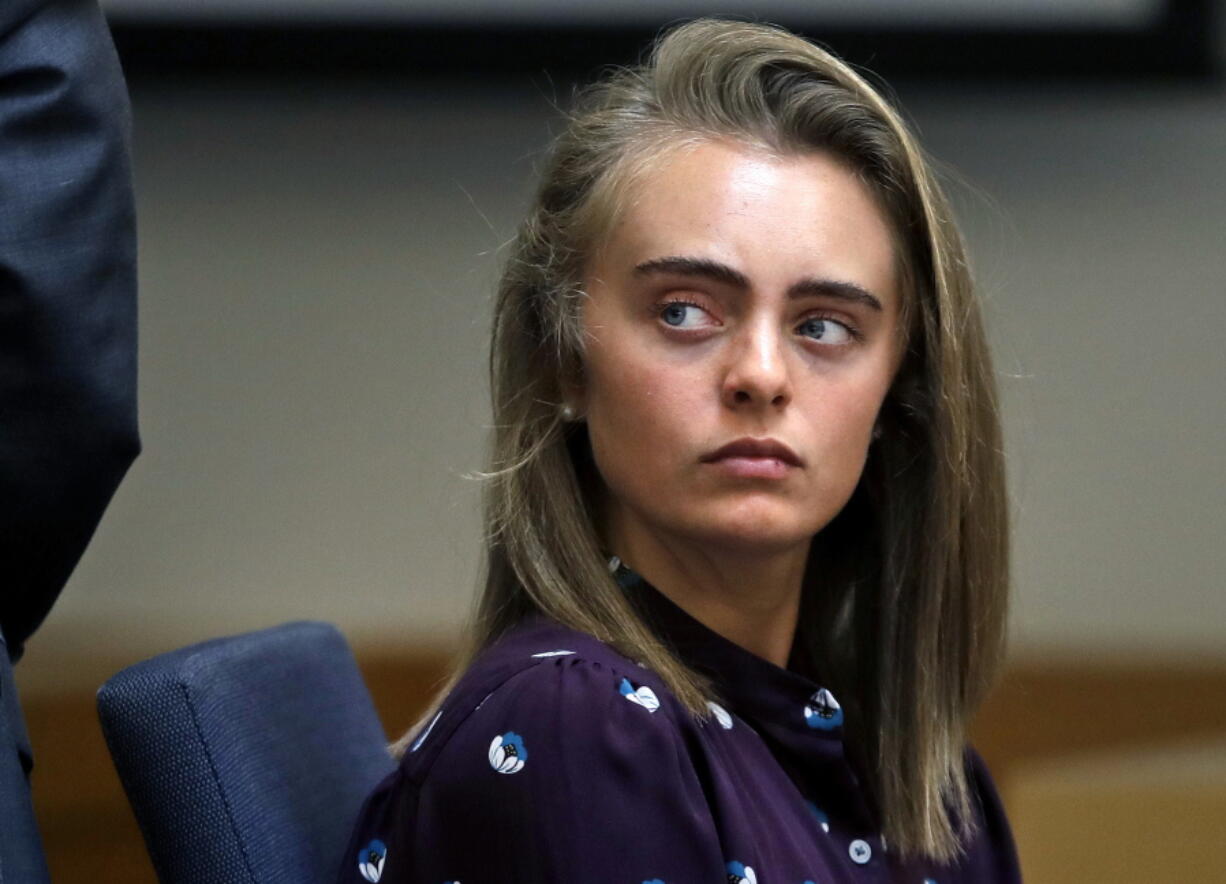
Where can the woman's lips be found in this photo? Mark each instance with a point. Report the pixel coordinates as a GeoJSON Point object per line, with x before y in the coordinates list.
{"type": "Point", "coordinates": [752, 467]}
{"type": "Point", "coordinates": [754, 458]}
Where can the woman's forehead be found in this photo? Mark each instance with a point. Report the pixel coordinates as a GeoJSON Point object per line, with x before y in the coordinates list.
{"type": "Point", "coordinates": [765, 215]}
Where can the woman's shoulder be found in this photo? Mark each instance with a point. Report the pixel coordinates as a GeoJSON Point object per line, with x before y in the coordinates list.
{"type": "Point", "coordinates": [992, 853]}
{"type": "Point", "coordinates": [553, 752]}
{"type": "Point", "coordinates": [540, 675]}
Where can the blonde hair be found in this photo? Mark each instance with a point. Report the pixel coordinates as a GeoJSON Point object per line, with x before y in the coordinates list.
{"type": "Point", "coordinates": [907, 622]}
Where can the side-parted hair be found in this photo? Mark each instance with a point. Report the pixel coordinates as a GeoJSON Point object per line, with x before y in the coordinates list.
{"type": "Point", "coordinates": [904, 603]}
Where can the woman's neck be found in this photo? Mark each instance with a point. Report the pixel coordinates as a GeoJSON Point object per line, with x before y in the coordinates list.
{"type": "Point", "coordinates": [751, 598]}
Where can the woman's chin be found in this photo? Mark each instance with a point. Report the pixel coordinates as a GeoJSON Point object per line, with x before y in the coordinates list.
{"type": "Point", "coordinates": [752, 538]}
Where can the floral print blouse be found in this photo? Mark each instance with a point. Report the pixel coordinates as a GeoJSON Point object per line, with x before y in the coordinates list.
{"type": "Point", "coordinates": [556, 760]}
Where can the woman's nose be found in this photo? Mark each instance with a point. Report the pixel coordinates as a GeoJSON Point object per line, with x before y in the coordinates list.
{"type": "Point", "coordinates": [757, 372]}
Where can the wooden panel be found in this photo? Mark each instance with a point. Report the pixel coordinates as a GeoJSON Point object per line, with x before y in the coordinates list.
{"type": "Point", "coordinates": [1041, 710]}
{"type": "Point", "coordinates": [89, 832]}
{"type": "Point", "coordinates": [1059, 708]}
{"type": "Point", "coordinates": [1123, 817]}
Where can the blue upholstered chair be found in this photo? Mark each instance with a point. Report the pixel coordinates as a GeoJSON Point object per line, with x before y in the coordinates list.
{"type": "Point", "coordinates": [246, 759]}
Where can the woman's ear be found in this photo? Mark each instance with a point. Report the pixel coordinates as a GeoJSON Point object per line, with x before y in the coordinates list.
{"type": "Point", "coordinates": [573, 406]}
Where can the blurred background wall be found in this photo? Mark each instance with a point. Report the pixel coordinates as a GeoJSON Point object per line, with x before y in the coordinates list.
{"type": "Point", "coordinates": [318, 249]}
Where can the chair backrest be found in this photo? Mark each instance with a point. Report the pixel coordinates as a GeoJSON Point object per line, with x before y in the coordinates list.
{"type": "Point", "coordinates": [246, 759]}
{"type": "Point", "coordinates": [21, 849]}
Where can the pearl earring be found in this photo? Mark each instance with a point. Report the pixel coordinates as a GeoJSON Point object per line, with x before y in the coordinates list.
{"type": "Point", "coordinates": [568, 412]}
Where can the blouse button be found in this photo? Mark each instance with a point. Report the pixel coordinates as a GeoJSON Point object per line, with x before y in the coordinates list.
{"type": "Point", "coordinates": [860, 851]}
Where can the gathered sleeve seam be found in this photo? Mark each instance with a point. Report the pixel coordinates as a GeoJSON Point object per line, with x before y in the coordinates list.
{"type": "Point", "coordinates": [466, 700]}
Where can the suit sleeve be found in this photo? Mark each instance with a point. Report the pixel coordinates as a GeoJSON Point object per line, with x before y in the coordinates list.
{"type": "Point", "coordinates": [67, 297]}
{"type": "Point", "coordinates": [559, 777]}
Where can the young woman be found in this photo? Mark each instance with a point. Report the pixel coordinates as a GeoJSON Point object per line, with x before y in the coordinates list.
{"type": "Point", "coordinates": [746, 554]}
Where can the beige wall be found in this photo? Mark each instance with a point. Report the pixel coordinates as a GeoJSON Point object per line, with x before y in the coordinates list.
{"type": "Point", "coordinates": [316, 277]}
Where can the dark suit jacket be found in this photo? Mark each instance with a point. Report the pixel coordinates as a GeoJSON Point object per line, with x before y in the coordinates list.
{"type": "Point", "coordinates": [67, 334]}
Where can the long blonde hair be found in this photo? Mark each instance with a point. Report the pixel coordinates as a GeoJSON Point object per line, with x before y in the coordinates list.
{"type": "Point", "coordinates": [907, 621]}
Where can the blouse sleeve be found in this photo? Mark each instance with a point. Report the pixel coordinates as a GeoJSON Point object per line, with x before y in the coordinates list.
{"type": "Point", "coordinates": [994, 856]}
{"type": "Point", "coordinates": [570, 771]}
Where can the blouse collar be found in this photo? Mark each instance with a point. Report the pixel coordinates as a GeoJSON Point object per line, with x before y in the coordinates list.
{"type": "Point", "coordinates": [789, 705]}
{"type": "Point", "coordinates": [797, 717]}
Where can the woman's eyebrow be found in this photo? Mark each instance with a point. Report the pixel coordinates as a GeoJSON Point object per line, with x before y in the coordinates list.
{"type": "Point", "coordinates": [682, 266]}
{"type": "Point", "coordinates": [717, 271]}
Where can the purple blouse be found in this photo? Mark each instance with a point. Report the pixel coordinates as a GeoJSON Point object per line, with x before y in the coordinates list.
{"type": "Point", "coordinates": [556, 760]}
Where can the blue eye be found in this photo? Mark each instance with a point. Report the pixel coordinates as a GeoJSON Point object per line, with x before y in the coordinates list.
{"type": "Point", "coordinates": [674, 312]}
{"type": "Point", "coordinates": [827, 331]}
